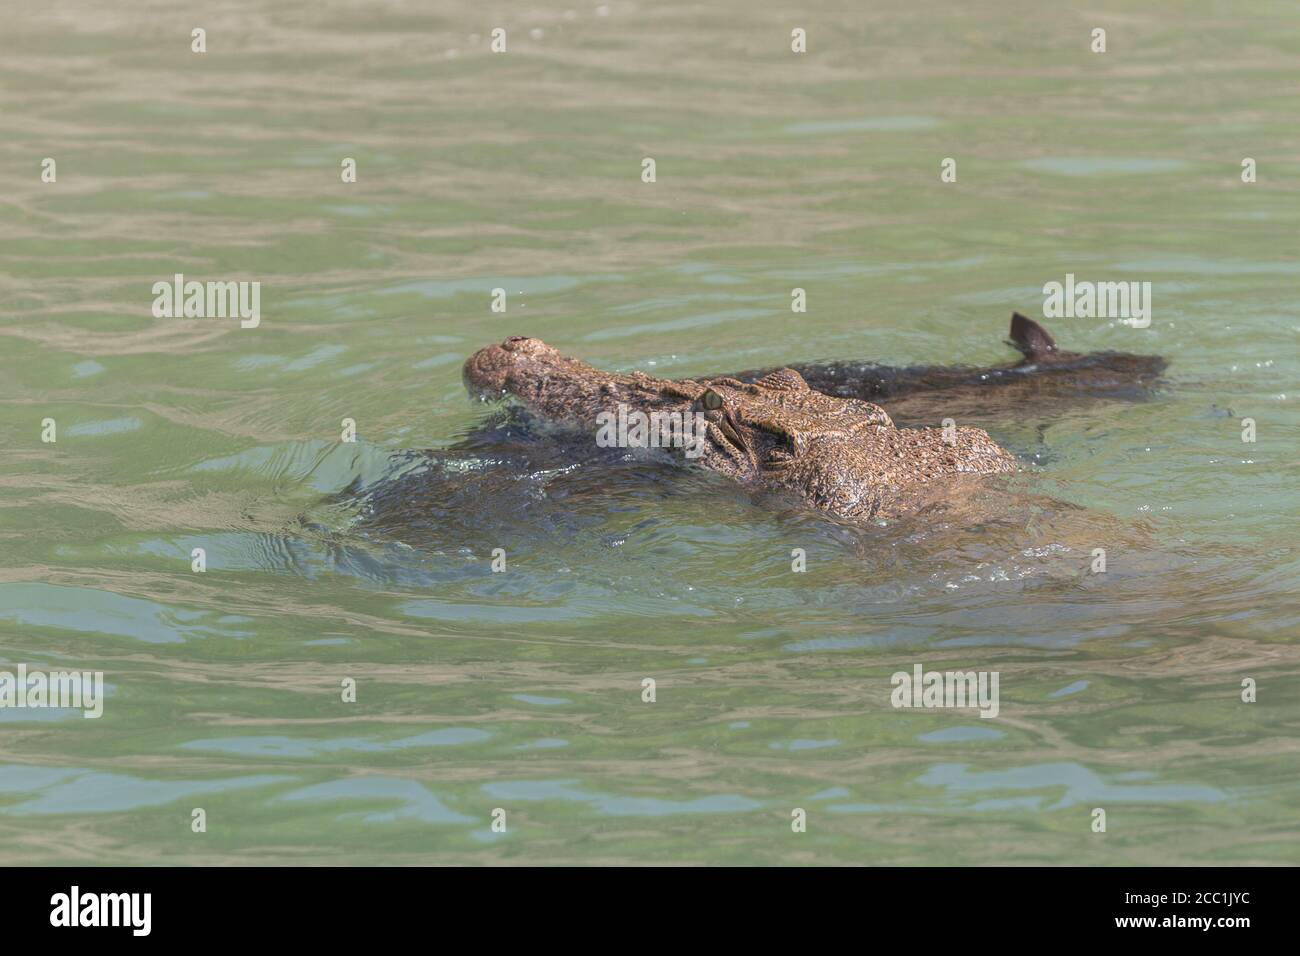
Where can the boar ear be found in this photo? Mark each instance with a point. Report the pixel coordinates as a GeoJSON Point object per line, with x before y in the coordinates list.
{"type": "Point", "coordinates": [1030, 337]}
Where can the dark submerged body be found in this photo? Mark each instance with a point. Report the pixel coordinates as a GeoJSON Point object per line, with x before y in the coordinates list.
{"type": "Point", "coordinates": [1115, 375]}
{"type": "Point", "coordinates": [1045, 376]}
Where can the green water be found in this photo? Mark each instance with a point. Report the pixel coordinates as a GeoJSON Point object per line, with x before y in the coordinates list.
{"type": "Point", "coordinates": [522, 690]}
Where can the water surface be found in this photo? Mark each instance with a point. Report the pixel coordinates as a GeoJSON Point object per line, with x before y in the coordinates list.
{"type": "Point", "coordinates": [522, 690]}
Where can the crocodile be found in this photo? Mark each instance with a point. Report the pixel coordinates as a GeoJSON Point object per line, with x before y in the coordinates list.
{"type": "Point", "coordinates": [1044, 374]}
{"type": "Point", "coordinates": [843, 456]}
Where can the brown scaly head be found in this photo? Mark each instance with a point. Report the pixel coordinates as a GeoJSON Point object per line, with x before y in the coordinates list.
{"type": "Point", "coordinates": [841, 455]}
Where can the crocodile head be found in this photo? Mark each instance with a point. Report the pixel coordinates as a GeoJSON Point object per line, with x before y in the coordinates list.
{"type": "Point", "coordinates": [841, 455]}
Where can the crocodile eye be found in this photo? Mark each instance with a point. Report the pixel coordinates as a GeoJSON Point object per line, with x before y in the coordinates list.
{"type": "Point", "coordinates": [711, 400]}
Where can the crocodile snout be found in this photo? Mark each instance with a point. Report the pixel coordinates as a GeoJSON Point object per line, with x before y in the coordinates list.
{"type": "Point", "coordinates": [487, 372]}
{"type": "Point", "coordinates": [524, 343]}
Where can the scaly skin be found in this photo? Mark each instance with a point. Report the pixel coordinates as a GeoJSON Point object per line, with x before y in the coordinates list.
{"type": "Point", "coordinates": [841, 455]}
